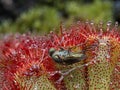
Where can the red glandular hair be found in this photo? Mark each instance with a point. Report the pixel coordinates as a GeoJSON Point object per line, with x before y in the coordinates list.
{"type": "Point", "coordinates": [23, 54]}
{"type": "Point", "coordinates": [25, 57]}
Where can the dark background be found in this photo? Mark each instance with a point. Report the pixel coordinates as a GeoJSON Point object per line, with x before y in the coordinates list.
{"type": "Point", "coordinates": [42, 16]}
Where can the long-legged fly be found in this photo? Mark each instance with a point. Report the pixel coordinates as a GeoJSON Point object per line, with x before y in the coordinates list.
{"type": "Point", "coordinates": [66, 57]}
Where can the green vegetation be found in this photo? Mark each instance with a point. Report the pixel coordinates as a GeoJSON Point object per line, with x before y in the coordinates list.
{"type": "Point", "coordinates": [44, 18]}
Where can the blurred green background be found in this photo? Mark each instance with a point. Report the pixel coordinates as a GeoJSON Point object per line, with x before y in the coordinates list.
{"type": "Point", "coordinates": [46, 15]}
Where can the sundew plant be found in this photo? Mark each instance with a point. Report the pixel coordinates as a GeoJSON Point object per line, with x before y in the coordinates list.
{"type": "Point", "coordinates": [84, 56]}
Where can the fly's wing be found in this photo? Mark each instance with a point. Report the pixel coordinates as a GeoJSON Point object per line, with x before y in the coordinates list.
{"type": "Point", "coordinates": [71, 59]}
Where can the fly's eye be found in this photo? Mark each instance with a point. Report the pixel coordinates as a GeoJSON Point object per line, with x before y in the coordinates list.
{"type": "Point", "coordinates": [51, 51]}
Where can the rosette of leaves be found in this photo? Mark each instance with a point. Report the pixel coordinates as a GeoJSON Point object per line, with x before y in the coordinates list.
{"type": "Point", "coordinates": [25, 63]}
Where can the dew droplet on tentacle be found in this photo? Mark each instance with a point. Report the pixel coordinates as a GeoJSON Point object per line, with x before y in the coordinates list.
{"type": "Point", "coordinates": [101, 26]}
{"type": "Point", "coordinates": [87, 22]}
{"type": "Point", "coordinates": [92, 26]}
{"type": "Point", "coordinates": [92, 23]}
{"type": "Point", "coordinates": [88, 27]}
{"type": "Point", "coordinates": [116, 25]}
{"type": "Point", "coordinates": [51, 32]}
{"type": "Point", "coordinates": [62, 28]}
{"type": "Point", "coordinates": [108, 25]}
